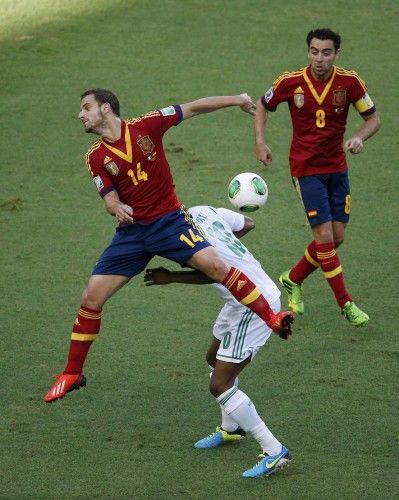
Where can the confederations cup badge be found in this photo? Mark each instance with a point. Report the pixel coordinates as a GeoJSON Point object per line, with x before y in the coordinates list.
{"type": "Point", "coordinates": [299, 100]}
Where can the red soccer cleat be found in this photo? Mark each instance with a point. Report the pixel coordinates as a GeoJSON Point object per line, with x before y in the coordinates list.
{"type": "Point", "coordinates": [281, 323]}
{"type": "Point", "coordinates": [64, 383]}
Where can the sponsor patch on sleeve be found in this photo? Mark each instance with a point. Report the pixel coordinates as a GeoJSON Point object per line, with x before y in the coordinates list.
{"type": "Point", "coordinates": [269, 94]}
{"type": "Point", "coordinates": [98, 182]}
{"type": "Point", "coordinates": [170, 110]}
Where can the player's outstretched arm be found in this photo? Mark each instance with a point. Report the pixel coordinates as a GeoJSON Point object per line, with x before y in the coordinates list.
{"type": "Point", "coordinates": [209, 104]}
{"type": "Point", "coordinates": [262, 151]}
{"type": "Point", "coordinates": [162, 276]}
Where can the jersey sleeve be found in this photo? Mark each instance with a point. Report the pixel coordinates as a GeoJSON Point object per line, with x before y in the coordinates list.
{"type": "Point", "coordinates": [159, 121]}
{"type": "Point", "coordinates": [360, 97]}
{"type": "Point", "coordinates": [100, 176]}
{"type": "Point", "coordinates": [275, 95]}
{"type": "Point", "coordinates": [233, 219]}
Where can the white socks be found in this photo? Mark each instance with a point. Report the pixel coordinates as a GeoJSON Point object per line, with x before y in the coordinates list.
{"type": "Point", "coordinates": [238, 409]}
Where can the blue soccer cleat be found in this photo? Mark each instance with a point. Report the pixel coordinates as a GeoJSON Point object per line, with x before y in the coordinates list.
{"type": "Point", "coordinates": [269, 464]}
{"type": "Point", "coordinates": [219, 437]}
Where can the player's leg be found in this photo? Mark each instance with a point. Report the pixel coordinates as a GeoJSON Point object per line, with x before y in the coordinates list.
{"type": "Point", "coordinates": [235, 321]}
{"type": "Point", "coordinates": [87, 323]}
{"type": "Point", "coordinates": [330, 263]}
{"type": "Point", "coordinates": [238, 405]}
{"type": "Point", "coordinates": [243, 335]}
{"type": "Point", "coordinates": [122, 259]}
{"type": "Point", "coordinates": [325, 199]}
{"type": "Point", "coordinates": [228, 424]}
{"type": "Point", "coordinates": [85, 330]}
{"type": "Point", "coordinates": [229, 431]}
{"type": "Point", "coordinates": [310, 190]}
{"type": "Point", "coordinates": [242, 288]}
{"type": "Point", "coordinates": [332, 269]}
{"type": "Point", "coordinates": [340, 201]}
{"type": "Point", "coordinates": [177, 238]}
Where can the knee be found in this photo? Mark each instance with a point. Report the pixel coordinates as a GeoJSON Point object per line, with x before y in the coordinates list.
{"type": "Point", "coordinates": [89, 300]}
{"type": "Point", "coordinates": [217, 269]}
{"type": "Point", "coordinates": [218, 386]}
{"type": "Point", "coordinates": [338, 240]}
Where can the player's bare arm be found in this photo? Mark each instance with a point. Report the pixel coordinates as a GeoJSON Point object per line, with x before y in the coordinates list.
{"type": "Point", "coordinates": [163, 276]}
{"type": "Point", "coordinates": [114, 206]}
{"type": "Point", "coordinates": [262, 151]}
{"type": "Point", "coordinates": [209, 104]}
{"type": "Point", "coordinates": [249, 224]}
{"type": "Point", "coordinates": [370, 126]}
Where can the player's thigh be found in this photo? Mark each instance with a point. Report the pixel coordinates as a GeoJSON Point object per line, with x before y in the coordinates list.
{"type": "Point", "coordinates": [339, 196]}
{"type": "Point", "coordinates": [209, 262]}
{"type": "Point", "coordinates": [314, 195]}
{"type": "Point", "coordinates": [212, 351]}
{"type": "Point", "coordinates": [126, 255]}
{"type": "Point", "coordinates": [175, 237]}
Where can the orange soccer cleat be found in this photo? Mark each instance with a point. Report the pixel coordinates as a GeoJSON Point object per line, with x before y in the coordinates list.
{"type": "Point", "coordinates": [64, 383]}
{"type": "Point", "coordinates": [281, 323]}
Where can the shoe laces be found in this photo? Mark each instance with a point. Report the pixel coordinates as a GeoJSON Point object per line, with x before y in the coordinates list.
{"type": "Point", "coordinates": [260, 459]}
{"type": "Point", "coordinates": [350, 311]}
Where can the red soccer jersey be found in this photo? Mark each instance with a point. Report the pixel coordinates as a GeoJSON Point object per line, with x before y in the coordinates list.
{"type": "Point", "coordinates": [135, 166]}
{"type": "Point", "coordinates": [319, 111]}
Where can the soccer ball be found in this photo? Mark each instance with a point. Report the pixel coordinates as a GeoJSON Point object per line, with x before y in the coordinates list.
{"type": "Point", "coordinates": [247, 192]}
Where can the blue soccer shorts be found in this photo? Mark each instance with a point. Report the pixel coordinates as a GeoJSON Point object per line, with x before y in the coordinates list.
{"type": "Point", "coordinates": [325, 197]}
{"type": "Point", "coordinates": [173, 236]}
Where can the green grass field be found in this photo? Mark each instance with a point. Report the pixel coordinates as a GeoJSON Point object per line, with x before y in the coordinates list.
{"type": "Point", "coordinates": [330, 393]}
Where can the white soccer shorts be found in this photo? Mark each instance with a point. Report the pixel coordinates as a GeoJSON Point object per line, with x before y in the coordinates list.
{"type": "Point", "coordinates": [241, 332]}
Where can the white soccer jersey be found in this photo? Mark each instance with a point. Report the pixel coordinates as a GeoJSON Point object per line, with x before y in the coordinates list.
{"type": "Point", "coordinates": [219, 225]}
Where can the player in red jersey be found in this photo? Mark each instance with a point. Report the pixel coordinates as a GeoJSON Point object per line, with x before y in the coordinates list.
{"type": "Point", "coordinates": [318, 98]}
{"type": "Point", "coordinates": [133, 177]}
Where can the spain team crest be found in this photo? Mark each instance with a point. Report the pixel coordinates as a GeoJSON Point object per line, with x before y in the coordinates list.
{"type": "Point", "coordinates": [146, 145]}
{"type": "Point", "coordinates": [112, 168]}
{"type": "Point", "coordinates": [339, 97]}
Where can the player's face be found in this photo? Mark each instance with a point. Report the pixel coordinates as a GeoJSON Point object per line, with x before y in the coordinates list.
{"type": "Point", "coordinates": [91, 114]}
{"type": "Point", "coordinates": [322, 55]}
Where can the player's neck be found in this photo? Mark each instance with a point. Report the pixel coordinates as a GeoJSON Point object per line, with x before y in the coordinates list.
{"type": "Point", "coordinates": [112, 130]}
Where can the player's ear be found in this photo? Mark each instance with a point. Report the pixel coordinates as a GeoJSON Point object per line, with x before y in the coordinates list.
{"type": "Point", "coordinates": [105, 107]}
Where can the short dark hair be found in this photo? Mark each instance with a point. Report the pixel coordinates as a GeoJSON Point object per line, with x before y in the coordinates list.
{"type": "Point", "coordinates": [102, 96]}
{"type": "Point", "coordinates": [324, 34]}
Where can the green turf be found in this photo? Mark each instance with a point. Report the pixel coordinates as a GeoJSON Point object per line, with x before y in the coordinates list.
{"type": "Point", "coordinates": [328, 393]}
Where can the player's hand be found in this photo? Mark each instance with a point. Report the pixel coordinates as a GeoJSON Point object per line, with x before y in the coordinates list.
{"type": "Point", "coordinates": [248, 105]}
{"type": "Point", "coordinates": [281, 323]}
{"type": "Point", "coordinates": [157, 276]}
{"type": "Point", "coordinates": [123, 213]}
{"type": "Point", "coordinates": [354, 145]}
{"type": "Point", "coordinates": [263, 153]}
